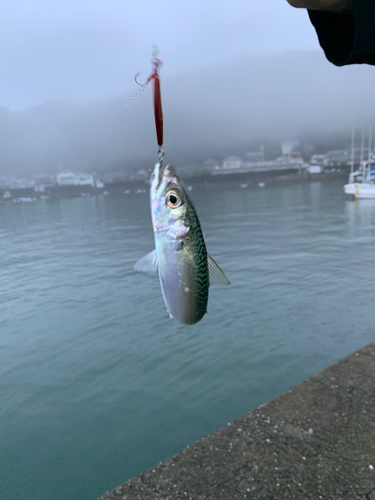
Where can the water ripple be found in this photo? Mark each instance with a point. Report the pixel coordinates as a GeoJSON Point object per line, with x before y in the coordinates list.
{"type": "Point", "coordinates": [98, 383]}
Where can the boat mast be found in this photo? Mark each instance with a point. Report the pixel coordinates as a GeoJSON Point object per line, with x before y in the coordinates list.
{"type": "Point", "coordinates": [361, 157]}
{"type": "Point", "coordinates": [369, 142]}
{"type": "Point", "coordinates": [352, 162]}
{"type": "Point", "coordinates": [369, 152]}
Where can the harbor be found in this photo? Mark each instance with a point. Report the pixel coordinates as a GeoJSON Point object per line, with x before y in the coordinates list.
{"type": "Point", "coordinates": [235, 180]}
{"type": "Point", "coordinates": [232, 173]}
{"type": "Point", "coordinates": [251, 170]}
{"type": "Point", "coordinates": [315, 441]}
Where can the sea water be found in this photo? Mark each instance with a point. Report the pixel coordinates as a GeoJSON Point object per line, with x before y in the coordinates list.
{"type": "Point", "coordinates": [98, 384]}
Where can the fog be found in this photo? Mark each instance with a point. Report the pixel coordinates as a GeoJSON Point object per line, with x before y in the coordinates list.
{"type": "Point", "coordinates": [229, 80]}
{"type": "Point", "coordinates": [207, 113]}
{"type": "Point", "coordinates": [91, 49]}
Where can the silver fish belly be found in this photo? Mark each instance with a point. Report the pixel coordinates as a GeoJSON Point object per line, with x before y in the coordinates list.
{"type": "Point", "coordinates": [183, 272]}
{"type": "Point", "coordinates": [185, 268]}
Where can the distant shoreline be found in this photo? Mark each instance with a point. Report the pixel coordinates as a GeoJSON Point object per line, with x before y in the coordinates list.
{"type": "Point", "coordinates": [203, 183]}
{"type": "Point", "coordinates": [287, 179]}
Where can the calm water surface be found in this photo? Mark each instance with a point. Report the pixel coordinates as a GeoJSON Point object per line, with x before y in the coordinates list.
{"type": "Point", "coordinates": [98, 384]}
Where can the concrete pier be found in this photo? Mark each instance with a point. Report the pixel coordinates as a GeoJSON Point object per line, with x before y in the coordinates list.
{"type": "Point", "coordinates": [316, 441]}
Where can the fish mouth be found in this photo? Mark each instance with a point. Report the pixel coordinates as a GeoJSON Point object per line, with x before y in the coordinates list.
{"type": "Point", "coordinates": [161, 173]}
{"type": "Point", "coordinates": [156, 177]}
{"type": "Point", "coordinates": [169, 172]}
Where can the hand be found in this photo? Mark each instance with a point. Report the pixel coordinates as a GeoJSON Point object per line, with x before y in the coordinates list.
{"type": "Point", "coordinates": [341, 6]}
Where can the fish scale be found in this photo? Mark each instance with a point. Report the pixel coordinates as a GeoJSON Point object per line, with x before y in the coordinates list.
{"type": "Point", "coordinates": [201, 276]}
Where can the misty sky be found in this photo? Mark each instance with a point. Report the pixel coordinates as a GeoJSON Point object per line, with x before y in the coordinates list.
{"type": "Point", "coordinates": [91, 49]}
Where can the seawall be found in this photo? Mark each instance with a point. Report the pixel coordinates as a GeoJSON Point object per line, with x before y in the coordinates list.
{"type": "Point", "coordinates": [315, 441]}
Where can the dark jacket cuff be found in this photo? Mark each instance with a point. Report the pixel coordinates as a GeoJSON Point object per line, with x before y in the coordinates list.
{"type": "Point", "coordinates": [347, 38]}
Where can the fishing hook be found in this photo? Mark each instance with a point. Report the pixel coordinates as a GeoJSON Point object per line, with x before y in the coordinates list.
{"type": "Point", "coordinates": [137, 82]}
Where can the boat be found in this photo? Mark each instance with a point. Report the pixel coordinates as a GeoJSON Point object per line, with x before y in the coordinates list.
{"type": "Point", "coordinates": [361, 183]}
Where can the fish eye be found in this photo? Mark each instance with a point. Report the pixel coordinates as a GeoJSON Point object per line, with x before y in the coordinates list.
{"type": "Point", "coordinates": [173, 199]}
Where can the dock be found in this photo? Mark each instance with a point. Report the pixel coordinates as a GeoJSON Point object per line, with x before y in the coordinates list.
{"type": "Point", "coordinates": [315, 441]}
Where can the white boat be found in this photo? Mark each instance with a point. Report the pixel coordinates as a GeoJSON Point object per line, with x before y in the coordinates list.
{"type": "Point", "coordinates": [364, 191]}
{"type": "Point", "coordinates": [361, 183]}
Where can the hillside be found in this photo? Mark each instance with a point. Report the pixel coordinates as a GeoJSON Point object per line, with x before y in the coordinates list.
{"type": "Point", "coordinates": [222, 110]}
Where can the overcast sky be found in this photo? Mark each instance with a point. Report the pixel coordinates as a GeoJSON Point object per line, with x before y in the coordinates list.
{"type": "Point", "coordinates": [83, 50]}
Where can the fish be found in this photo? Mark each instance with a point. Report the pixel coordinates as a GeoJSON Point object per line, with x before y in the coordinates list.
{"type": "Point", "coordinates": [186, 270]}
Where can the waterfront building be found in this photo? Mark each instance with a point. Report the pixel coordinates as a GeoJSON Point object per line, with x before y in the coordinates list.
{"type": "Point", "coordinates": [232, 163]}
{"type": "Point", "coordinates": [15, 183]}
{"type": "Point", "coordinates": [70, 179]}
{"type": "Point", "coordinates": [342, 157]}
{"type": "Point", "coordinates": [314, 169]}
{"type": "Point", "coordinates": [318, 159]}
{"type": "Point", "coordinates": [66, 179]}
{"type": "Point", "coordinates": [84, 180]}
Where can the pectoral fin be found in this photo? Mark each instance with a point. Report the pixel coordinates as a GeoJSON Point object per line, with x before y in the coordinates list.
{"type": "Point", "coordinates": [217, 277]}
{"type": "Point", "coordinates": [148, 263]}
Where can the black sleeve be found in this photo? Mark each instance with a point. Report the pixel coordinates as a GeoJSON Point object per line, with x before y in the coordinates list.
{"type": "Point", "coordinates": [347, 38]}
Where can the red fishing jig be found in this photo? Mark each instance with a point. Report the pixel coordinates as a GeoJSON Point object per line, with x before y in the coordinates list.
{"type": "Point", "coordinates": [158, 110]}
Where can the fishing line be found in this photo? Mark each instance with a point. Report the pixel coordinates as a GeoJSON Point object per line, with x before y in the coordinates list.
{"type": "Point", "coordinates": [135, 97]}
